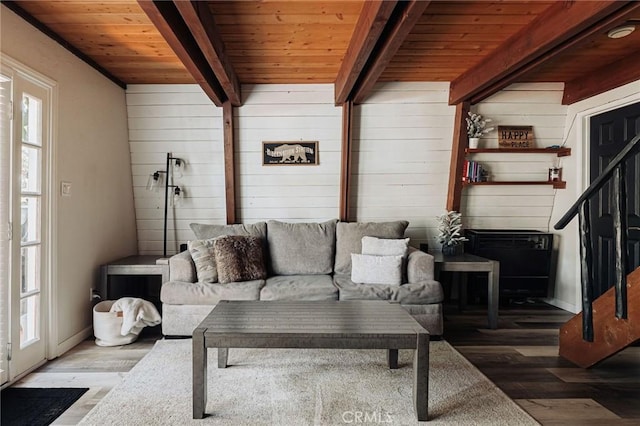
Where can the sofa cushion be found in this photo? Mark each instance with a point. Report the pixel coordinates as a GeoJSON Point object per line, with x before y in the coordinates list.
{"type": "Point", "coordinates": [376, 269]}
{"type": "Point", "coordinates": [183, 293]}
{"type": "Point", "coordinates": [204, 259]}
{"type": "Point", "coordinates": [301, 248]}
{"type": "Point", "coordinates": [349, 239]}
{"type": "Point", "coordinates": [385, 246]}
{"type": "Point", "coordinates": [423, 292]}
{"type": "Point", "coordinates": [205, 231]}
{"type": "Point", "coordinates": [299, 287]}
{"type": "Point", "coordinates": [239, 258]}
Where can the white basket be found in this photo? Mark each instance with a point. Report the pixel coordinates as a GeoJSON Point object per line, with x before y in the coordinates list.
{"type": "Point", "coordinates": [107, 326]}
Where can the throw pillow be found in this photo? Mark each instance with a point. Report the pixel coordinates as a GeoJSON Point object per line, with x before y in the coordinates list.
{"type": "Point", "coordinates": [239, 258]}
{"type": "Point", "coordinates": [349, 239]}
{"type": "Point", "coordinates": [385, 246]}
{"type": "Point", "coordinates": [204, 259]}
{"type": "Point", "coordinates": [368, 269]}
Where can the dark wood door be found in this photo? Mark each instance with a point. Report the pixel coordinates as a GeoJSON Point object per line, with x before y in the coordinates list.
{"type": "Point", "coordinates": [610, 132]}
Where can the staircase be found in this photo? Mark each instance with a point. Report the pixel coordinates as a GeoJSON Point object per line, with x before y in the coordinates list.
{"type": "Point", "coordinates": [611, 322]}
{"type": "Point", "coordinates": [611, 334]}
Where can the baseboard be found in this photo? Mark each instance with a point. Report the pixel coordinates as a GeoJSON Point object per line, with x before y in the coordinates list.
{"type": "Point", "coordinates": [73, 341]}
{"type": "Point", "coordinates": [563, 305]}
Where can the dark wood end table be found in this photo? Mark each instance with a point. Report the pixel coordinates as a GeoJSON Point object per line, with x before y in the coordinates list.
{"type": "Point", "coordinates": [322, 324]}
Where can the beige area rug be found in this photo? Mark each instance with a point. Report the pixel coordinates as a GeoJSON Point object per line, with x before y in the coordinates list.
{"type": "Point", "coordinates": [304, 387]}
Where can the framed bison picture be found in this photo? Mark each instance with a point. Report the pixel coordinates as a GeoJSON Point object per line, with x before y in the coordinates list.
{"type": "Point", "coordinates": [290, 153]}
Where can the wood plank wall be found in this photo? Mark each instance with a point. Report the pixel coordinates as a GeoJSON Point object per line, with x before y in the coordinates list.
{"type": "Point", "coordinates": [182, 120]}
{"type": "Point", "coordinates": [402, 148]}
{"type": "Point", "coordinates": [517, 207]}
{"type": "Point", "coordinates": [288, 193]}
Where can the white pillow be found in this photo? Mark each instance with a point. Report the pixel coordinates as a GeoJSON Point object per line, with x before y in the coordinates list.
{"type": "Point", "coordinates": [385, 246]}
{"type": "Point", "coordinates": [368, 269]}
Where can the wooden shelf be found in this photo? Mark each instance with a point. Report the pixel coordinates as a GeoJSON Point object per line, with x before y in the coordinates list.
{"type": "Point", "coordinates": [560, 152]}
{"type": "Point", "coordinates": [557, 185]}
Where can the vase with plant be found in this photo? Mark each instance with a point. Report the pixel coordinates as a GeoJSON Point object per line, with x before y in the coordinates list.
{"type": "Point", "coordinates": [449, 227]}
{"type": "Point", "coordinates": [476, 128]}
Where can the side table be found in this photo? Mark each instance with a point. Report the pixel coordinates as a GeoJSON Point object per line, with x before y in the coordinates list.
{"type": "Point", "coordinates": [472, 263]}
{"type": "Point", "coordinates": [133, 265]}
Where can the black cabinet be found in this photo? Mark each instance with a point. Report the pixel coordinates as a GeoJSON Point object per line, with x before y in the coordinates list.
{"type": "Point", "coordinates": [525, 260]}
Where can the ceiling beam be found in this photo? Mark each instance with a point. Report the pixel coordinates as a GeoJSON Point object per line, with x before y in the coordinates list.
{"type": "Point", "coordinates": [404, 18]}
{"type": "Point", "coordinates": [563, 23]}
{"type": "Point", "coordinates": [166, 18]}
{"type": "Point", "coordinates": [198, 18]}
{"type": "Point", "coordinates": [605, 78]}
{"type": "Point", "coordinates": [371, 22]}
{"type": "Point", "coordinates": [460, 143]}
{"type": "Point", "coordinates": [15, 7]}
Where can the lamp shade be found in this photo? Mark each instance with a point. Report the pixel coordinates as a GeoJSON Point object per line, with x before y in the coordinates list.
{"type": "Point", "coordinates": [176, 197]}
{"type": "Point", "coordinates": [178, 168]}
{"type": "Point", "coordinates": [155, 182]}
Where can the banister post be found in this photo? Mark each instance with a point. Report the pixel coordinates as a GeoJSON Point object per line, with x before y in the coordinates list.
{"type": "Point", "coordinates": [620, 236]}
{"type": "Point", "coordinates": [586, 281]}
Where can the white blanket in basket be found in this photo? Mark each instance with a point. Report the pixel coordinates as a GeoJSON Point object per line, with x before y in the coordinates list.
{"type": "Point", "coordinates": [136, 314]}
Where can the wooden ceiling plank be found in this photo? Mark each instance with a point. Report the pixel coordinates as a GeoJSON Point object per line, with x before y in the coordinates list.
{"type": "Point", "coordinates": [371, 23]}
{"type": "Point", "coordinates": [18, 10]}
{"type": "Point", "coordinates": [198, 18]}
{"type": "Point", "coordinates": [558, 24]}
{"type": "Point", "coordinates": [167, 20]}
{"type": "Point", "coordinates": [393, 39]}
{"type": "Point", "coordinates": [607, 77]}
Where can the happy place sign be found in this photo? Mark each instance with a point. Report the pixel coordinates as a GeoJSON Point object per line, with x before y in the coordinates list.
{"type": "Point", "coordinates": [515, 137]}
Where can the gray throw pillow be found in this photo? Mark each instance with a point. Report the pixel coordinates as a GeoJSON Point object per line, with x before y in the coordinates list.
{"type": "Point", "coordinates": [385, 270]}
{"type": "Point", "coordinates": [301, 248]}
{"type": "Point", "coordinates": [349, 239]}
{"type": "Point", "coordinates": [239, 258]}
{"type": "Point", "coordinates": [204, 258]}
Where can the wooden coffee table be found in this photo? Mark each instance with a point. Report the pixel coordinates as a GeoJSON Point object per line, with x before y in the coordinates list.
{"type": "Point", "coordinates": [322, 324]}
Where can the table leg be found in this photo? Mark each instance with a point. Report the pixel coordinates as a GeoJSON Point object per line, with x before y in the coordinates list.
{"type": "Point", "coordinates": [493, 293]}
{"type": "Point", "coordinates": [104, 282]}
{"type": "Point", "coordinates": [392, 358]}
{"type": "Point", "coordinates": [223, 355]}
{"type": "Point", "coordinates": [199, 374]}
{"type": "Point", "coordinates": [421, 377]}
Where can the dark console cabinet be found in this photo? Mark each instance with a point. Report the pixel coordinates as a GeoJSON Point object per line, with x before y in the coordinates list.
{"type": "Point", "coordinates": [525, 260]}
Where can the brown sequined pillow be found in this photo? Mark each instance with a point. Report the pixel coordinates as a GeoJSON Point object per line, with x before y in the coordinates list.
{"type": "Point", "coordinates": [239, 258]}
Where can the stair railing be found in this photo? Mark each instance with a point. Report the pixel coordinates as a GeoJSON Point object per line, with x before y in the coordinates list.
{"type": "Point", "coordinates": [616, 170]}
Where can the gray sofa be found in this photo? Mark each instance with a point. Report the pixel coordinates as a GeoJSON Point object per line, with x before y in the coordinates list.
{"type": "Point", "coordinates": [305, 261]}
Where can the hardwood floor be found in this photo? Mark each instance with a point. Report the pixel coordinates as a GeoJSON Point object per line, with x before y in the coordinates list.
{"type": "Point", "coordinates": [521, 358]}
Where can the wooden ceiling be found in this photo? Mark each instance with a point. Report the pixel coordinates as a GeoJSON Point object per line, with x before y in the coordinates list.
{"type": "Point", "coordinates": [479, 46]}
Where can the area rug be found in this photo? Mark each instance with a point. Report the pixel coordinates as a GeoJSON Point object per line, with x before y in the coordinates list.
{"type": "Point", "coordinates": [36, 406]}
{"type": "Point", "coordinates": [304, 387]}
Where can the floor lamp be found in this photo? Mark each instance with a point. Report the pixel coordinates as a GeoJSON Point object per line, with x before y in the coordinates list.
{"type": "Point", "coordinates": [158, 178]}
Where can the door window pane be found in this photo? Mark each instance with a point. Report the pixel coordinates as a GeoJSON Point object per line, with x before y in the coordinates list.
{"type": "Point", "coordinates": [31, 169]}
{"type": "Point", "coordinates": [29, 330]}
{"type": "Point", "coordinates": [31, 120]}
{"type": "Point", "coordinates": [30, 219]}
{"type": "Point", "coordinates": [30, 269]}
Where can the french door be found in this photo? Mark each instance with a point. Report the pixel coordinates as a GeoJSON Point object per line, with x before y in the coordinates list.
{"type": "Point", "coordinates": [24, 211]}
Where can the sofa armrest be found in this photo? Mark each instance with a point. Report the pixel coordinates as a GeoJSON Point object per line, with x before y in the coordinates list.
{"type": "Point", "coordinates": [182, 268]}
{"type": "Point", "coordinates": [420, 266]}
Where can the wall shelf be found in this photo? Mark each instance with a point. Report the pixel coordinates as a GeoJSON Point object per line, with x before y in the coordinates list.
{"type": "Point", "coordinates": [557, 184]}
{"type": "Point", "coordinates": [560, 152]}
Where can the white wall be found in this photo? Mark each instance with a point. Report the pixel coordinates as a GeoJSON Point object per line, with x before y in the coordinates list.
{"type": "Point", "coordinates": [401, 154]}
{"type": "Point", "coordinates": [90, 150]}
{"type": "Point", "coordinates": [576, 171]}
{"type": "Point", "coordinates": [182, 120]}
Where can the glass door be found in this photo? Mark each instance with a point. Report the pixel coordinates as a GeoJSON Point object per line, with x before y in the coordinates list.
{"type": "Point", "coordinates": [23, 220]}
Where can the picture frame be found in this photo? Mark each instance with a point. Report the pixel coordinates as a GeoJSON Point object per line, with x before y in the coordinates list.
{"type": "Point", "coordinates": [290, 153]}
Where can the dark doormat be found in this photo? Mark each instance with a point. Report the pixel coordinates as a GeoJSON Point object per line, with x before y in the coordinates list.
{"type": "Point", "coordinates": [36, 406]}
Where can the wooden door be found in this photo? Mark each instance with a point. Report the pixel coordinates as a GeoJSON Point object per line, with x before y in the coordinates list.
{"type": "Point", "coordinates": [609, 133]}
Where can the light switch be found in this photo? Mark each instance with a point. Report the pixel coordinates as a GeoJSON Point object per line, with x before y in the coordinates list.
{"type": "Point", "coordinates": [65, 189]}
